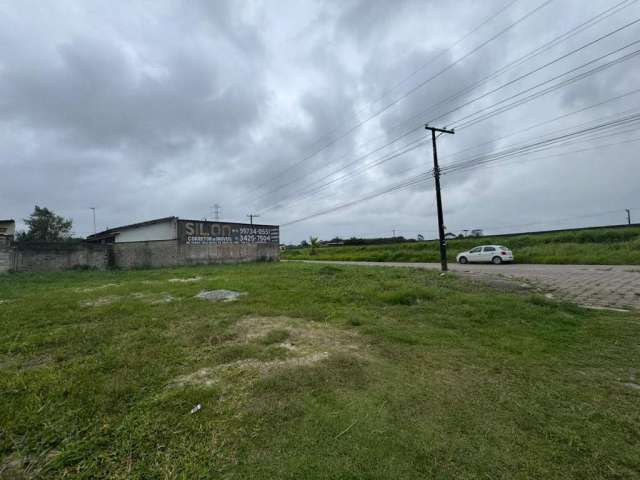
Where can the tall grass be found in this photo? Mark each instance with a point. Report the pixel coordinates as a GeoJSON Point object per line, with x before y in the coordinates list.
{"type": "Point", "coordinates": [590, 246]}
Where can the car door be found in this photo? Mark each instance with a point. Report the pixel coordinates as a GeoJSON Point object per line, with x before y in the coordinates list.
{"type": "Point", "coordinates": [488, 253]}
{"type": "Point", "coordinates": [475, 254]}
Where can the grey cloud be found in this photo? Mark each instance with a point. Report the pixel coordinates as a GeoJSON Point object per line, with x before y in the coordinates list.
{"type": "Point", "coordinates": [165, 108]}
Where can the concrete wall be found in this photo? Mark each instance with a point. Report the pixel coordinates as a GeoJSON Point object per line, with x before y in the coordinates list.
{"type": "Point", "coordinates": [156, 231]}
{"type": "Point", "coordinates": [6, 254]}
{"type": "Point", "coordinates": [167, 253]}
{"type": "Point", "coordinates": [51, 257]}
{"type": "Point", "coordinates": [145, 254]}
{"type": "Point", "coordinates": [171, 253]}
{"type": "Point", "coordinates": [231, 253]}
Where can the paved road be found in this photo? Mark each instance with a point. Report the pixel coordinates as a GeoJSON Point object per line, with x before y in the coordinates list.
{"type": "Point", "coordinates": [615, 286]}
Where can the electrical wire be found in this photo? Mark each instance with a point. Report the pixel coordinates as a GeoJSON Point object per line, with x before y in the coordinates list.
{"type": "Point", "coordinates": [411, 91]}
{"type": "Point", "coordinates": [609, 34]}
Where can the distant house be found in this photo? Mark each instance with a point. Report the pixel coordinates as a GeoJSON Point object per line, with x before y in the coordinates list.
{"type": "Point", "coordinates": [450, 236]}
{"type": "Point", "coordinates": [7, 228]}
{"type": "Point", "coordinates": [477, 232]}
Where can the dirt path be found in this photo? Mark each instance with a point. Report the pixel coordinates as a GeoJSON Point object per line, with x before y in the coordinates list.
{"type": "Point", "coordinates": [614, 286]}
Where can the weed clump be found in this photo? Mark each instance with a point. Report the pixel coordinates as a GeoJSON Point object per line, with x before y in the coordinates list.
{"type": "Point", "coordinates": [329, 271]}
{"type": "Point", "coordinates": [406, 296]}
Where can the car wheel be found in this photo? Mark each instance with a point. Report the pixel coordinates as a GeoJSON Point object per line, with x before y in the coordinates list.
{"type": "Point", "coordinates": [463, 260]}
{"type": "Point", "coordinates": [496, 260]}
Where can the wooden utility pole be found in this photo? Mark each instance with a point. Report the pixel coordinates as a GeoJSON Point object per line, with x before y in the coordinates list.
{"type": "Point", "coordinates": [436, 176]}
{"type": "Point", "coordinates": [252, 216]}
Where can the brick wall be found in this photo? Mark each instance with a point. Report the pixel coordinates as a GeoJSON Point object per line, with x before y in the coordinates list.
{"type": "Point", "coordinates": [52, 257]}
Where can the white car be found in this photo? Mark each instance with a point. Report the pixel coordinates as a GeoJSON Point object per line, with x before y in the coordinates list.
{"type": "Point", "coordinates": [495, 254]}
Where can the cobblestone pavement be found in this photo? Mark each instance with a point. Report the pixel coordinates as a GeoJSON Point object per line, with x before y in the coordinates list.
{"type": "Point", "coordinates": [613, 286]}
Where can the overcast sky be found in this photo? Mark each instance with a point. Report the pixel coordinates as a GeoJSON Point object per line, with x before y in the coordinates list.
{"type": "Point", "coordinates": [157, 108]}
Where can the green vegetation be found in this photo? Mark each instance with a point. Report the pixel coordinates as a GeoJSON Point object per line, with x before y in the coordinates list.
{"type": "Point", "coordinates": [318, 372]}
{"type": "Point", "coordinates": [615, 246]}
{"type": "Point", "coordinates": [45, 226]}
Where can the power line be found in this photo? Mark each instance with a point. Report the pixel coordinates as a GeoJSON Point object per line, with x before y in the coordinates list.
{"type": "Point", "coordinates": [550, 89]}
{"type": "Point", "coordinates": [524, 151]}
{"type": "Point", "coordinates": [413, 145]}
{"type": "Point", "coordinates": [415, 88]}
{"type": "Point", "coordinates": [493, 91]}
{"type": "Point", "coordinates": [398, 186]}
{"type": "Point", "coordinates": [531, 147]}
{"type": "Point", "coordinates": [546, 122]}
{"type": "Point", "coordinates": [431, 61]}
{"type": "Point", "coordinates": [306, 193]}
{"type": "Point", "coordinates": [548, 64]}
{"type": "Point", "coordinates": [527, 56]}
{"type": "Point", "coordinates": [409, 182]}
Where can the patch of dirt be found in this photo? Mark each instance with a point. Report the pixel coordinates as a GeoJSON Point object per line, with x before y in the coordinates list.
{"type": "Point", "coordinates": [205, 377]}
{"type": "Point", "coordinates": [164, 298]}
{"type": "Point", "coordinates": [17, 468]}
{"type": "Point", "coordinates": [35, 362]}
{"type": "Point", "coordinates": [220, 295]}
{"type": "Point", "coordinates": [150, 298]}
{"type": "Point", "coordinates": [95, 289]}
{"type": "Point", "coordinates": [12, 467]}
{"type": "Point", "coordinates": [307, 343]}
{"type": "Point", "coordinates": [185, 280]}
{"type": "Point", "coordinates": [108, 300]}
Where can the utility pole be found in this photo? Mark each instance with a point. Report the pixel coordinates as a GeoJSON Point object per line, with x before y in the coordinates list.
{"type": "Point", "coordinates": [394, 233]}
{"type": "Point", "coordinates": [252, 216]}
{"type": "Point", "coordinates": [94, 219]}
{"type": "Point", "coordinates": [436, 176]}
{"type": "Point", "coordinates": [628, 216]}
{"type": "Point", "coordinates": [216, 212]}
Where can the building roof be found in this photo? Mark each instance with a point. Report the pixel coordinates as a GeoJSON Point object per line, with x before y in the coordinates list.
{"type": "Point", "coordinates": [10, 220]}
{"type": "Point", "coordinates": [112, 231]}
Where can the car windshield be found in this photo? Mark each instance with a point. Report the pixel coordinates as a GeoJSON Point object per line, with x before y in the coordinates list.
{"type": "Point", "coordinates": [503, 248]}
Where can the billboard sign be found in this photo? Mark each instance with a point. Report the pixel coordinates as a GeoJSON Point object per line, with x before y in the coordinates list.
{"type": "Point", "coordinates": [200, 232]}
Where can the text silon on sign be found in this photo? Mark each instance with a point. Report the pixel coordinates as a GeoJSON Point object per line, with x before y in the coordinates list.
{"type": "Point", "coordinates": [194, 232]}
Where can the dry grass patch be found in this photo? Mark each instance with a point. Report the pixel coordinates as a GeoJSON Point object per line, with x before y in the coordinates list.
{"type": "Point", "coordinates": [149, 298]}
{"type": "Point", "coordinates": [185, 280]}
{"type": "Point", "coordinates": [257, 347]}
{"type": "Point", "coordinates": [97, 288]}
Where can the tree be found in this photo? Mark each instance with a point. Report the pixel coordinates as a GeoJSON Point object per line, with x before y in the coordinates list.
{"type": "Point", "coordinates": [45, 226]}
{"type": "Point", "coordinates": [315, 243]}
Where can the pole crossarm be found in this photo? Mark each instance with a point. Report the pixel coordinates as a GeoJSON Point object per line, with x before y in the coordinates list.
{"type": "Point", "coordinates": [439, 130]}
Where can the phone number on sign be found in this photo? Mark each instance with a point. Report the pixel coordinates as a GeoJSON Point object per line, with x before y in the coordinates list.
{"type": "Point", "coordinates": [254, 230]}
{"type": "Point", "coordinates": [255, 238]}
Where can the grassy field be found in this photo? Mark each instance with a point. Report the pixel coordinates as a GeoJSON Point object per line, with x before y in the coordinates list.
{"type": "Point", "coordinates": [620, 246]}
{"type": "Point", "coordinates": [318, 372]}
